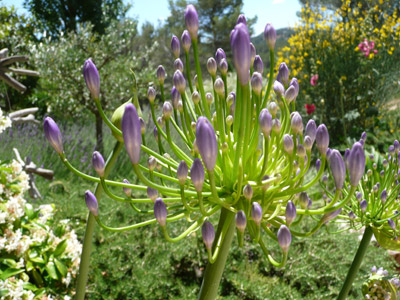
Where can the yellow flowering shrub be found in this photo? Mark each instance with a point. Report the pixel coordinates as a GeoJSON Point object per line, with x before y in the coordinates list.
{"type": "Point", "coordinates": [346, 62]}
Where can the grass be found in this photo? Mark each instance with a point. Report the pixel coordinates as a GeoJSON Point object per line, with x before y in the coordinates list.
{"type": "Point", "coordinates": [140, 264]}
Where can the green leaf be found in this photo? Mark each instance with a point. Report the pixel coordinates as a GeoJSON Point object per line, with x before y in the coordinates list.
{"type": "Point", "coordinates": [60, 248]}
{"type": "Point", "coordinates": [3, 292]}
{"type": "Point", "coordinates": [61, 267]}
{"type": "Point", "coordinates": [10, 272]}
{"type": "Point", "coordinates": [51, 270]}
{"type": "Point", "coordinates": [30, 286]}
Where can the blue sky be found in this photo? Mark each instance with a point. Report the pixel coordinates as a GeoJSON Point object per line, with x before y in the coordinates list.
{"type": "Point", "coordinates": [281, 13]}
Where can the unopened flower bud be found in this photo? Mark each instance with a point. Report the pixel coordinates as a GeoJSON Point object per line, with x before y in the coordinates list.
{"type": "Point", "coordinates": [258, 65]}
{"type": "Point", "coordinates": [322, 139]}
{"type": "Point", "coordinates": [279, 89]}
{"type": "Point", "coordinates": [212, 66]}
{"type": "Point", "coordinates": [330, 216]}
{"type": "Point", "coordinates": [179, 81]}
{"type": "Point", "coordinates": [160, 212]}
{"type": "Point", "coordinates": [175, 46]}
{"type": "Point", "coordinates": [301, 150]}
{"type": "Point", "coordinates": [98, 163]}
{"type": "Point", "coordinates": [197, 174]}
{"type": "Point", "coordinates": [358, 196]}
{"type": "Point", "coordinates": [208, 233]}
{"type": "Point", "coordinates": [207, 142]}
{"type": "Point", "coordinates": [127, 191]}
{"type": "Point", "coordinates": [152, 193]}
{"type": "Point", "coordinates": [297, 123]}
{"type": "Point", "coordinates": [92, 78]}
{"type": "Point", "coordinates": [384, 196]}
{"type": "Point", "coordinates": [151, 94]}
{"type": "Point", "coordinates": [352, 216]}
{"type": "Point", "coordinates": [363, 205]}
{"type": "Point", "coordinates": [167, 110]}
{"type": "Point", "coordinates": [175, 96]}
{"type": "Point", "coordinates": [270, 36]}
{"type": "Point", "coordinates": [364, 136]}
{"type": "Point", "coordinates": [288, 144]}
{"type": "Point", "coordinates": [219, 87]}
{"type": "Point", "coordinates": [192, 21]}
{"type": "Point", "coordinates": [256, 83]}
{"type": "Point", "coordinates": [392, 224]}
{"type": "Point", "coordinates": [219, 55]}
{"type": "Point", "coordinates": [196, 97]}
{"type": "Point", "coordinates": [318, 164]}
{"type": "Point", "coordinates": [290, 94]}
{"type": "Point", "coordinates": [142, 125]}
{"type": "Point", "coordinates": [241, 19]}
{"type": "Point", "coordinates": [294, 82]}
{"type": "Point", "coordinates": [308, 143]}
{"type": "Point", "coordinates": [91, 203]}
{"type": "Point", "coordinates": [265, 121]}
{"type": "Point", "coordinates": [396, 145]}
{"type": "Point", "coordinates": [311, 130]}
{"type": "Point", "coordinates": [248, 192]}
{"type": "Point", "coordinates": [209, 98]}
{"type": "Point", "coordinates": [131, 132]}
{"type": "Point", "coordinates": [253, 53]}
{"type": "Point", "coordinates": [223, 66]}
{"type": "Point", "coordinates": [303, 200]}
{"type": "Point", "coordinates": [284, 238]}
{"type": "Point", "coordinates": [229, 121]}
{"type": "Point", "coordinates": [256, 213]}
{"type": "Point", "coordinates": [241, 220]}
{"type": "Point", "coordinates": [180, 106]}
{"type": "Point", "coordinates": [276, 126]}
{"type": "Point", "coordinates": [338, 168]}
{"type": "Point", "coordinates": [178, 65]}
{"type": "Point", "coordinates": [356, 163]}
{"type": "Point", "coordinates": [290, 212]}
{"type": "Point", "coordinates": [283, 74]}
{"type": "Point", "coordinates": [186, 41]}
{"type": "Point", "coordinates": [53, 134]}
{"type": "Point", "coordinates": [240, 44]}
{"type": "Point", "coordinates": [273, 108]}
{"type": "Point", "coordinates": [152, 163]}
{"type": "Point", "coordinates": [161, 74]}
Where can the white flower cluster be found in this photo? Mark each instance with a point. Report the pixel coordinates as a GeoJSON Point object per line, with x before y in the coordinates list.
{"type": "Point", "coordinates": [380, 286]}
{"type": "Point", "coordinates": [16, 240]}
{"type": "Point", "coordinates": [5, 122]}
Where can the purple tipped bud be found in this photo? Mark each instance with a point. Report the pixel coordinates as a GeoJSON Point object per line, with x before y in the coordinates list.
{"type": "Point", "coordinates": [192, 21]}
{"type": "Point", "coordinates": [352, 216]}
{"type": "Point", "coordinates": [91, 203]}
{"type": "Point", "coordinates": [223, 66]}
{"type": "Point", "coordinates": [142, 125]}
{"type": "Point", "coordinates": [208, 233]}
{"type": "Point", "coordinates": [127, 191]}
{"type": "Point", "coordinates": [294, 82]}
{"type": "Point", "coordinates": [356, 163]}
{"type": "Point", "coordinates": [256, 213]}
{"type": "Point", "coordinates": [384, 196]}
{"type": "Point", "coordinates": [283, 74]}
{"type": "Point", "coordinates": [284, 238]}
{"type": "Point", "coordinates": [219, 87]}
{"type": "Point", "coordinates": [240, 44]}
{"type": "Point", "coordinates": [197, 174]}
{"type": "Point", "coordinates": [182, 172]}
{"type": "Point", "coordinates": [131, 132]}
{"type": "Point", "coordinates": [219, 55]}
{"type": "Point", "coordinates": [311, 130]}
{"type": "Point", "coordinates": [98, 163]}
{"type": "Point", "coordinates": [303, 200]}
{"type": "Point", "coordinates": [322, 139]}
{"type": "Point", "coordinates": [330, 216]}
{"type": "Point", "coordinates": [167, 110]}
{"type": "Point", "coordinates": [253, 53]}
{"type": "Point", "coordinates": [290, 213]}
{"type": "Point", "coordinates": [256, 83]}
{"type": "Point", "coordinates": [290, 94]}
{"type": "Point", "coordinates": [273, 108]}
{"type": "Point", "coordinates": [92, 78]}
{"type": "Point", "coordinates": [270, 35]}
{"type": "Point", "coordinates": [392, 224]}
{"type": "Point", "coordinates": [175, 46]}
{"type": "Point", "coordinates": [152, 163]}
{"type": "Point", "coordinates": [212, 66]}
{"type": "Point", "coordinates": [241, 19]}
{"type": "Point", "coordinates": [209, 98]}
{"type": "Point", "coordinates": [358, 196]}
{"type": "Point", "coordinates": [160, 212]}
{"type": "Point", "coordinates": [288, 144]}
{"type": "Point", "coordinates": [186, 41]}
{"type": "Point", "coordinates": [248, 192]}
{"type": "Point", "coordinates": [338, 168]}
{"type": "Point", "coordinates": [241, 220]}
{"type": "Point", "coordinates": [364, 136]}
{"type": "Point", "coordinates": [207, 142]}
{"type": "Point", "coordinates": [297, 123]}
{"type": "Point", "coordinates": [258, 65]}
{"type": "Point", "coordinates": [276, 126]}
{"type": "Point", "coordinates": [265, 121]}
{"type": "Point", "coordinates": [318, 164]}
{"type": "Point", "coordinates": [178, 65]}
{"type": "Point", "coordinates": [53, 134]}
{"type": "Point", "coordinates": [151, 94]}
{"type": "Point", "coordinates": [396, 145]}
{"type": "Point", "coordinates": [196, 97]}
{"type": "Point", "coordinates": [179, 81]}
{"type": "Point", "coordinates": [363, 205]}
{"type": "Point", "coordinates": [391, 150]}
{"type": "Point", "coordinates": [155, 133]}
{"type": "Point", "coordinates": [308, 143]}
{"type": "Point", "coordinates": [152, 193]}
{"type": "Point", "coordinates": [279, 89]}
{"type": "Point", "coordinates": [161, 74]}
{"type": "Point", "coordinates": [301, 150]}
{"type": "Point", "coordinates": [175, 97]}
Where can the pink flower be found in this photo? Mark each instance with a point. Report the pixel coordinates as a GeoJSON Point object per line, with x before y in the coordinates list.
{"type": "Point", "coordinates": [310, 108]}
{"type": "Point", "coordinates": [314, 80]}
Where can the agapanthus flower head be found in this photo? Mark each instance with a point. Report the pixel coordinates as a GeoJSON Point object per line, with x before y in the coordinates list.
{"type": "Point", "coordinates": [240, 44]}
{"type": "Point", "coordinates": [92, 78]}
{"type": "Point", "coordinates": [53, 134]}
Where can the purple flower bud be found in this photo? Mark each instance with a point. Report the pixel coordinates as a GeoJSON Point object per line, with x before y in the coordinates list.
{"type": "Point", "coordinates": [160, 212]}
{"type": "Point", "coordinates": [358, 196]}
{"type": "Point", "coordinates": [152, 163]}
{"type": "Point", "coordinates": [265, 121]}
{"type": "Point", "coordinates": [196, 97]}
{"type": "Point", "coordinates": [178, 65]}
{"type": "Point", "coordinates": [240, 44]}
{"type": "Point", "coordinates": [279, 89]}
{"type": "Point", "coordinates": [303, 200]}
{"type": "Point", "coordinates": [212, 66]}
{"type": "Point", "coordinates": [142, 125]}
{"type": "Point", "coordinates": [256, 213]}
{"type": "Point", "coordinates": [131, 132]}
{"type": "Point", "coordinates": [175, 97]}
{"type": "Point", "coordinates": [356, 163]}
{"type": "Point", "coordinates": [276, 126]}
{"type": "Point", "coordinates": [322, 139]}
{"type": "Point", "coordinates": [127, 191]}
{"type": "Point", "coordinates": [273, 108]}
{"type": "Point", "coordinates": [352, 216]}
{"type": "Point", "coordinates": [384, 196]}
{"type": "Point", "coordinates": [151, 94]}
{"type": "Point", "coordinates": [186, 41]}
{"type": "Point", "coordinates": [396, 145]}
{"type": "Point", "coordinates": [98, 163]}
{"type": "Point", "coordinates": [258, 65]}
{"type": "Point", "coordinates": [223, 66]}
{"type": "Point", "coordinates": [161, 74]}
{"type": "Point", "coordinates": [182, 172]}
{"type": "Point", "coordinates": [219, 55]}
{"type": "Point", "coordinates": [152, 193]}
{"type": "Point", "coordinates": [248, 192]}
{"type": "Point", "coordinates": [91, 203]}
{"type": "Point", "coordinates": [284, 238]}
{"type": "Point", "coordinates": [301, 151]}
{"type": "Point", "coordinates": [288, 144]}
{"type": "Point", "coordinates": [364, 136]}
{"type": "Point", "coordinates": [155, 133]}
{"type": "Point", "coordinates": [241, 19]}
{"type": "Point", "coordinates": [311, 130]}
{"type": "Point", "coordinates": [197, 174]}
{"type": "Point", "coordinates": [363, 205]}
{"type": "Point", "coordinates": [207, 142]}
{"type": "Point", "coordinates": [330, 216]}
{"type": "Point", "coordinates": [283, 74]}
{"type": "Point", "coordinates": [179, 81]}
{"type": "Point", "coordinates": [219, 87]}
{"type": "Point", "coordinates": [297, 123]}
{"type": "Point", "coordinates": [290, 212]}
{"type": "Point", "coordinates": [256, 83]}
{"type": "Point", "coordinates": [294, 82]}
{"type": "Point", "coordinates": [318, 164]}
{"type": "Point", "coordinates": [92, 78]}
{"type": "Point", "coordinates": [253, 53]}
{"type": "Point", "coordinates": [192, 21]}
{"type": "Point", "coordinates": [338, 168]}
{"type": "Point", "coordinates": [241, 220]}
{"type": "Point", "coordinates": [362, 142]}
{"type": "Point", "coordinates": [270, 36]}
{"type": "Point", "coordinates": [308, 143]}
{"type": "Point", "coordinates": [53, 134]}
{"type": "Point", "coordinates": [208, 233]}
{"type": "Point", "coordinates": [175, 46]}
{"type": "Point", "coordinates": [392, 224]}
{"type": "Point", "coordinates": [290, 94]}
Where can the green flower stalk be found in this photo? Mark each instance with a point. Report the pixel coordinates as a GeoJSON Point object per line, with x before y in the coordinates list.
{"type": "Point", "coordinates": [245, 157]}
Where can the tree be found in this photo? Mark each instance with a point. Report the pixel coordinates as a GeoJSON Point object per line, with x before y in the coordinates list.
{"type": "Point", "coordinates": [55, 16]}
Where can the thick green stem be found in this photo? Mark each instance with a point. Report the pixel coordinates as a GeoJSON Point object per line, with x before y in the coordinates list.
{"type": "Point", "coordinates": [213, 273]}
{"type": "Point", "coordinates": [362, 248]}
{"type": "Point", "coordinates": [87, 242]}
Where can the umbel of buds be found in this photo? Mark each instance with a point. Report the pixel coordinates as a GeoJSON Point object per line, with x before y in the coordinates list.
{"type": "Point", "coordinates": [232, 149]}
